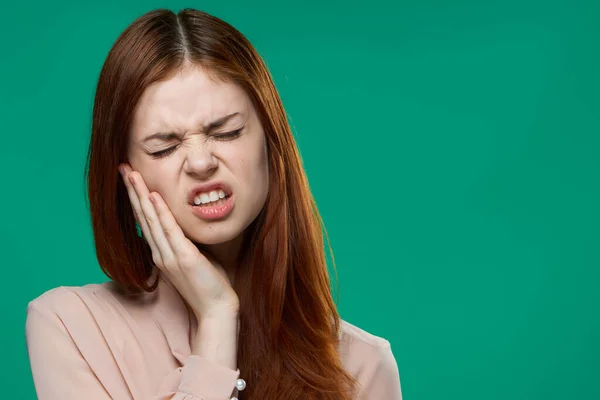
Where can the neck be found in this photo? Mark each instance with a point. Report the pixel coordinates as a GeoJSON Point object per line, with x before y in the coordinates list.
{"type": "Point", "coordinates": [226, 253]}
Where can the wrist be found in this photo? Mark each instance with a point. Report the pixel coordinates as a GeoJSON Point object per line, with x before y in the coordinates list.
{"type": "Point", "coordinates": [216, 340]}
{"type": "Point", "coordinates": [216, 327]}
{"type": "Point", "coordinates": [223, 312]}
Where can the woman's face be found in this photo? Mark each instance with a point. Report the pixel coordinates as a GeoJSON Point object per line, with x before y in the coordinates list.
{"type": "Point", "coordinates": [181, 108]}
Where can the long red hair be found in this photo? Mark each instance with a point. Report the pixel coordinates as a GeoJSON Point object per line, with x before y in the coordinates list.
{"type": "Point", "coordinates": [289, 324]}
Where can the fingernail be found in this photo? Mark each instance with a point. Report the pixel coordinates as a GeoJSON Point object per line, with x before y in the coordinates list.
{"type": "Point", "coordinates": [122, 171]}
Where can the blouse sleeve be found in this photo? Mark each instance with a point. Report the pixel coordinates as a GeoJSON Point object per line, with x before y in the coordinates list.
{"type": "Point", "coordinates": [383, 378]}
{"type": "Point", "coordinates": [61, 372]}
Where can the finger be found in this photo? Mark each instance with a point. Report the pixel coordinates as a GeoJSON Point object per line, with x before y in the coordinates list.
{"type": "Point", "coordinates": [139, 215]}
{"type": "Point", "coordinates": [182, 247]}
{"type": "Point", "coordinates": [158, 234]}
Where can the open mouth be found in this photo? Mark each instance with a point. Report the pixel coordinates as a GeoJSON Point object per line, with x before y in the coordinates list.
{"type": "Point", "coordinates": [210, 197]}
{"type": "Point", "coordinates": [211, 203]}
{"type": "Point", "coordinates": [214, 210]}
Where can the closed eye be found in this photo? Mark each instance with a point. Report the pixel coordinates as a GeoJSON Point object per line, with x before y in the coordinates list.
{"type": "Point", "coordinates": [163, 153]}
{"type": "Point", "coordinates": [223, 136]}
{"type": "Point", "coordinates": [229, 135]}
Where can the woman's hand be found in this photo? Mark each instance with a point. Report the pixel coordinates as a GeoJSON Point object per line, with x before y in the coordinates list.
{"type": "Point", "coordinates": [202, 283]}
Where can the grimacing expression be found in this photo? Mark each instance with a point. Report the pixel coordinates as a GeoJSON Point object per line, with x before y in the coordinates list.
{"type": "Point", "coordinates": [234, 152]}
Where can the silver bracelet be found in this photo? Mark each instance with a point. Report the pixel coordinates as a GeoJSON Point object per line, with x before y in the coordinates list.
{"type": "Point", "coordinates": [240, 384]}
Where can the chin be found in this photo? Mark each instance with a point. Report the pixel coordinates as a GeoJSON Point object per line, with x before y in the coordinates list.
{"type": "Point", "coordinates": [209, 235]}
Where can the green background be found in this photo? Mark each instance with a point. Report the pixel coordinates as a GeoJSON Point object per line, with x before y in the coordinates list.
{"type": "Point", "coordinates": [452, 148]}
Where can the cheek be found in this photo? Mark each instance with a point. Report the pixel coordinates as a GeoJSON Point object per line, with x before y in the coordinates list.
{"type": "Point", "coordinates": [261, 166]}
{"type": "Point", "coordinates": [157, 179]}
{"type": "Point", "coordinates": [252, 172]}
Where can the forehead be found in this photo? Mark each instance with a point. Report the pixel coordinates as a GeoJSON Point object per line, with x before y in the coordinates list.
{"type": "Point", "coordinates": [186, 101]}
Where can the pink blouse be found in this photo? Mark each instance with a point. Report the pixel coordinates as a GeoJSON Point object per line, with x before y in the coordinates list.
{"type": "Point", "coordinates": [92, 342]}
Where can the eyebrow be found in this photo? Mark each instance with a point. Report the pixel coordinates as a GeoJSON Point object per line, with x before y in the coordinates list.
{"type": "Point", "coordinates": [211, 126]}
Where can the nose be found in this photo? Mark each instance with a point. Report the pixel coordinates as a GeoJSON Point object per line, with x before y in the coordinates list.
{"type": "Point", "coordinates": [201, 162]}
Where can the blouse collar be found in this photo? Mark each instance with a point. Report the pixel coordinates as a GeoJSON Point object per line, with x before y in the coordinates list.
{"type": "Point", "coordinates": [173, 317]}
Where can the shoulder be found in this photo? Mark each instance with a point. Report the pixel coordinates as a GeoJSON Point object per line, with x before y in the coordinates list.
{"type": "Point", "coordinates": [63, 317]}
{"type": "Point", "coordinates": [361, 347]}
{"type": "Point", "coordinates": [62, 297]}
{"type": "Point", "coordinates": [79, 332]}
{"type": "Point", "coordinates": [369, 358]}
{"type": "Point", "coordinates": [72, 306]}
{"type": "Point", "coordinates": [93, 295]}
{"type": "Point", "coordinates": [93, 318]}
{"type": "Point", "coordinates": [361, 337]}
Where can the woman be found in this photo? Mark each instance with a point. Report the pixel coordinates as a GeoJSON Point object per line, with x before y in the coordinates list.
{"type": "Point", "coordinates": [224, 293]}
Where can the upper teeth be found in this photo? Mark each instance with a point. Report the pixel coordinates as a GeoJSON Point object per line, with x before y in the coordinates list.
{"type": "Point", "coordinates": [204, 198]}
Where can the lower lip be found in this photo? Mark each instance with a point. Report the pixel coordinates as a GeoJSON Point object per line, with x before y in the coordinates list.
{"type": "Point", "coordinates": [211, 213]}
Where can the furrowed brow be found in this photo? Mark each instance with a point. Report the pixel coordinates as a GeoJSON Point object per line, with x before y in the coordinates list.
{"type": "Point", "coordinates": [208, 128]}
